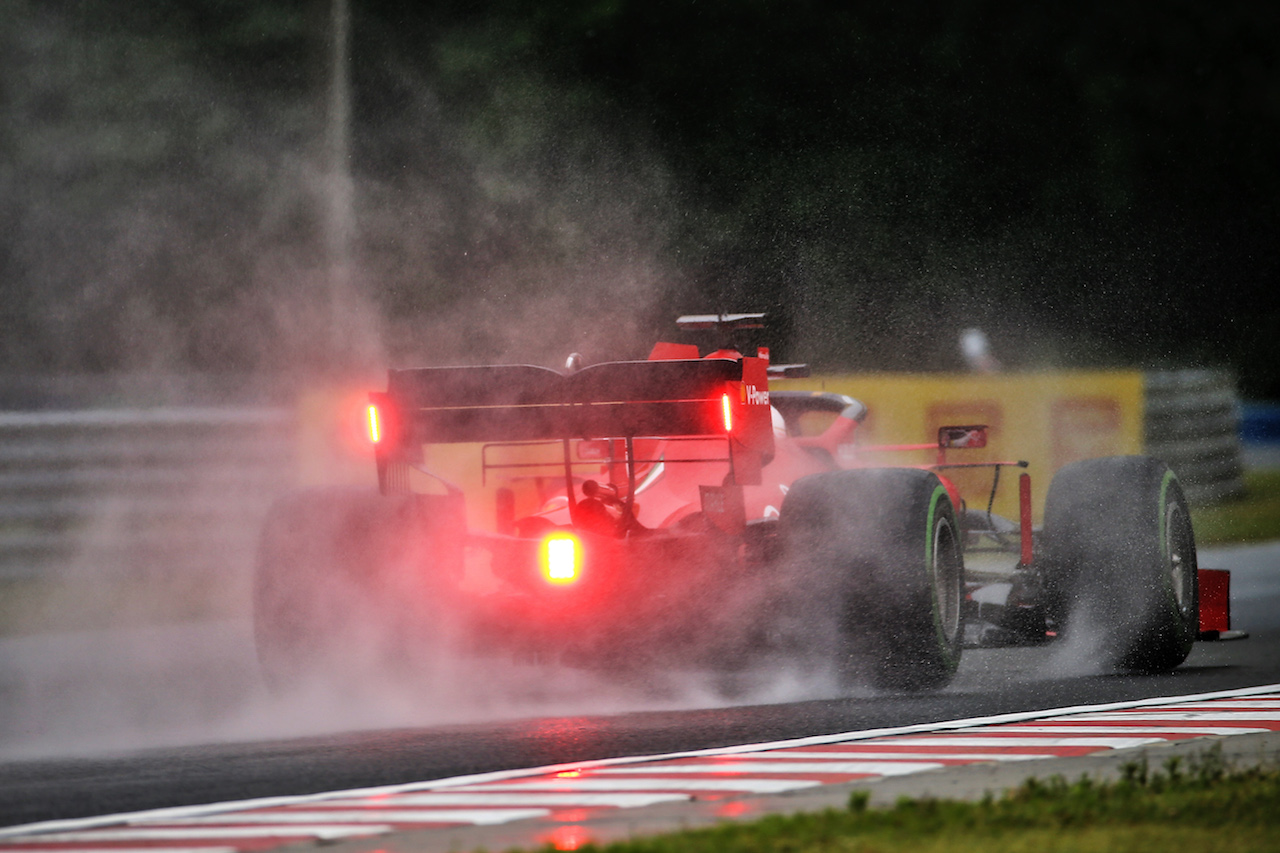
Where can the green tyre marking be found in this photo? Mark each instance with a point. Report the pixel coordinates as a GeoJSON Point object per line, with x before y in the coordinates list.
{"type": "Point", "coordinates": [1164, 501]}
{"type": "Point", "coordinates": [952, 661]}
{"type": "Point", "coordinates": [1170, 593]}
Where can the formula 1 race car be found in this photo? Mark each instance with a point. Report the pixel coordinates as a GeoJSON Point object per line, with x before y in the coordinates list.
{"type": "Point", "coordinates": [632, 517]}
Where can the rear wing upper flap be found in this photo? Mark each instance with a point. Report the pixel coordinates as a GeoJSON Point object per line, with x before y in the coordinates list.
{"type": "Point", "coordinates": [530, 385]}
{"type": "Point", "coordinates": [527, 402]}
{"type": "Point", "coordinates": [501, 385]}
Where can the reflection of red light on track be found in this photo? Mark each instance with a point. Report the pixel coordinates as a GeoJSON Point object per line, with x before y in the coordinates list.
{"type": "Point", "coordinates": [568, 774]}
{"type": "Point", "coordinates": [567, 837]}
{"type": "Point", "coordinates": [735, 809]}
{"type": "Point", "coordinates": [571, 815]}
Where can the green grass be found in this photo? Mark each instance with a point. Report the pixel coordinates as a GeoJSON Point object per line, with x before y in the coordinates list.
{"type": "Point", "coordinates": [1201, 807]}
{"type": "Point", "coordinates": [1255, 517]}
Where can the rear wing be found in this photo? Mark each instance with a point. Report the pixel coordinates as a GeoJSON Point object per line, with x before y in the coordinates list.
{"type": "Point", "coordinates": [622, 399]}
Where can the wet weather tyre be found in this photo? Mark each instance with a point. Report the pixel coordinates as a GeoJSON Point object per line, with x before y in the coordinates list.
{"type": "Point", "coordinates": [883, 548]}
{"type": "Point", "coordinates": [341, 578]}
{"type": "Point", "coordinates": [1121, 578]}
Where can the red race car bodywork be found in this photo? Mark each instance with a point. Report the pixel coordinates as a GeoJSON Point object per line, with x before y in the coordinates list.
{"type": "Point", "coordinates": [676, 511]}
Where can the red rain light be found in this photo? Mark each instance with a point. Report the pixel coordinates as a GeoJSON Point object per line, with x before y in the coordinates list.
{"type": "Point", "coordinates": [561, 555]}
{"type": "Point", "coordinates": [374, 423]}
{"type": "Point", "coordinates": [726, 409]}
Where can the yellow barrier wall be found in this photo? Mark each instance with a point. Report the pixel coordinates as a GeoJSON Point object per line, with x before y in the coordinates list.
{"type": "Point", "coordinates": [1047, 419]}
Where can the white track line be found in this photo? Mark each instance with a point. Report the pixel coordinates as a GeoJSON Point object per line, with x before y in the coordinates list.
{"type": "Point", "coordinates": [1198, 731]}
{"type": "Point", "coordinates": [871, 755]}
{"type": "Point", "coordinates": [1042, 741]}
{"type": "Point", "coordinates": [324, 832]}
{"type": "Point", "coordinates": [318, 817]}
{"type": "Point", "coordinates": [508, 779]}
{"type": "Point", "coordinates": [1180, 714]}
{"type": "Point", "coordinates": [655, 782]}
{"type": "Point", "coordinates": [783, 766]}
{"type": "Point", "coordinates": [499, 798]}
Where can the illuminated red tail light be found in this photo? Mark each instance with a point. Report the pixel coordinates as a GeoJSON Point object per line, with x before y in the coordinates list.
{"type": "Point", "coordinates": [561, 558]}
{"type": "Point", "coordinates": [726, 409]}
{"type": "Point", "coordinates": [374, 423]}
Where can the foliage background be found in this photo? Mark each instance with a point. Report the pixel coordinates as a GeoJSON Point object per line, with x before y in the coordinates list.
{"type": "Point", "coordinates": [1092, 183]}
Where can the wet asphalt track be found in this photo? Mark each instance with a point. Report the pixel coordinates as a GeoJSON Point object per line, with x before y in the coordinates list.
{"type": "Point", "coordinates": [184, 722]}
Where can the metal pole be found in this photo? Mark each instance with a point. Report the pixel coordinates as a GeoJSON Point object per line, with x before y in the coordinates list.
{"type": "Point", "coordinates": [339, 207]}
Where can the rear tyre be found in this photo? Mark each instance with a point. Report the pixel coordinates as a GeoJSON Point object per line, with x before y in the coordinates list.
{"type": "Point", "coordinates": [346, 579]}
{"type": "Point", "coordinates": [1120, 563]}
{"type": "Point", "coordinates": [883, 551]}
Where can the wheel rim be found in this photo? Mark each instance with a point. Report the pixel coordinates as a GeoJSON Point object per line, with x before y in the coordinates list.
{"type": "Point", "coordinates": [946, 582]}
{"type": "Point", "coordinates": [1180, 553]}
